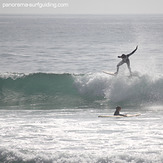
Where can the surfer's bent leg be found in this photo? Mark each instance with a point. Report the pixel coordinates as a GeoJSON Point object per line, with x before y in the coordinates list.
{"type": "Point", "coordinates": [119, 64]}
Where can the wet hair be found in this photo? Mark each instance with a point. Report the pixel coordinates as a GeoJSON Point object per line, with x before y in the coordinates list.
{"type": "Point", "coordinates": [118, 107]}
{"type": "Point", "coordinates": [123, 55]}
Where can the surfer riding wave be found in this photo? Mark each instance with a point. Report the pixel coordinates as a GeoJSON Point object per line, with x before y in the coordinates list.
{"type": "Point", "coordinates": [125, 59]}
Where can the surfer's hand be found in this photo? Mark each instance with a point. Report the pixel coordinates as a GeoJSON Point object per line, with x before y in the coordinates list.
{"type": "Point", "coordinates": [119, 56]}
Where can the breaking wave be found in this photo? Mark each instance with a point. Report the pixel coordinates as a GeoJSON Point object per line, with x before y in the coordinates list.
{"type": "Point", "coordinates": [66, 157]}
{"type": "Point", "coordinates": [53, 91]}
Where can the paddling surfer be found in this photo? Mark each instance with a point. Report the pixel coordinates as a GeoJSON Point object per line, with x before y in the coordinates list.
{"type": "Point", "coordinates": [118, 108]}
{"type": "Point", "coordinates": [125, 59]}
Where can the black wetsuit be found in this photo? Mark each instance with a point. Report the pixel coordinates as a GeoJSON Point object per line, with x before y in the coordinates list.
{"type": "Point", "coordinates": [125, 59]}
{"type": "Point", "coordinates": [117, 113]}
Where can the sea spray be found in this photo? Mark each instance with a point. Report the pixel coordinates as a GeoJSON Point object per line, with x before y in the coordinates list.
{"type": "Point", "coordinates": [140, 90]}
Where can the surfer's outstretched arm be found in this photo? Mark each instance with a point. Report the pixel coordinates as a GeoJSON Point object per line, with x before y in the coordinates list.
{"type": "Point", "coordinates": [132, 52]}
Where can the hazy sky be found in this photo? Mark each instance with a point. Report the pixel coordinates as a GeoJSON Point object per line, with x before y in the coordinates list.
{"type": "Point", "coordinates": [81, 6]}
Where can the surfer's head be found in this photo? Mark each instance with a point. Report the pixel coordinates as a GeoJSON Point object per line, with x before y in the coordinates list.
{"type": "Point", "coordinates": [118, 108]}
{"type": "Point", "coordinates": [123, 55]}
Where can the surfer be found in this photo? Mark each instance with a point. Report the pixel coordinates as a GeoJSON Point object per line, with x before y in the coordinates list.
{"type": "Point", "coordinates": [118, 108]}
{"type": "Point", "coordinates": [125, 59]}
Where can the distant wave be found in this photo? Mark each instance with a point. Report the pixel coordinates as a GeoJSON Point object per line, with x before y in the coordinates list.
{"type": "Point", "coordinates": [53, 91]}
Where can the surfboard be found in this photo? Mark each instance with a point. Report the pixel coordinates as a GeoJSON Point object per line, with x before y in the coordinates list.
{"type": "Point", "coordinates": [113, 74]}
{"type": "Point", "coordinates": [110, 73]}
{"type": "Point", "coordinates": [118, 116]}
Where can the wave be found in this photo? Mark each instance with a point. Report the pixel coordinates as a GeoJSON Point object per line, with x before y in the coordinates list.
{"type": "Point", "coordinates": [19, 157]}
{"type": "Point", "coordinates": [53, 91]}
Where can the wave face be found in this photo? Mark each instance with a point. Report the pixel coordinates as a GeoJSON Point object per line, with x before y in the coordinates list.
{"type": "Point", "coordinates": [37, 89]}
{"type": "Point", "coordinates": [53, 91]}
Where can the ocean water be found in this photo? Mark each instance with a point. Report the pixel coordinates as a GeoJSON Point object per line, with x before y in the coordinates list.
{"type": "Point", "coordinates": [52, 89]}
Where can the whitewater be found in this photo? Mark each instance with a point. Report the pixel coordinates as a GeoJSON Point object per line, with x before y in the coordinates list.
{"type": "Point", "coordinates": [52, 89]}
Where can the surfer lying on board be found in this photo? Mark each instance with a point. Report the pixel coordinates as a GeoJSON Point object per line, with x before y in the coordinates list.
{"type": "Point", "coordinates": [118, 108]}
{"type": "Point", "coordinates": [125, 59]}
